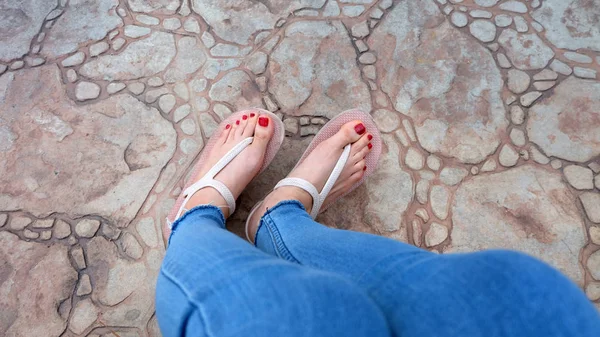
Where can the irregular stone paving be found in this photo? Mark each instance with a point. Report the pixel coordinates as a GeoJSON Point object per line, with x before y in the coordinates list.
{"type": "Point", "coordinates": [489, 112]}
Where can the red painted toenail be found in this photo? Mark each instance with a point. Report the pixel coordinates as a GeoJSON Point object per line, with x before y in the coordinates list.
{"type": "Point", "coordinates": [237, 122]}
{"type": "Point", "coordinates": [360, 128]}
{"type": "Point", "coordinates": [364, 168]}
{"type": "Point", "coordinates": [370, 146]}
{"type": "Point", "coordinates": [227, 126]}
{"type": "Point", "coordinates": [244, 117]}
{"type": "Point", "coordinates": [263, 121]}
{"type": "Point", "coordinates": [252, 114]}
{"type": "Point", "coordinates": [370, 137]}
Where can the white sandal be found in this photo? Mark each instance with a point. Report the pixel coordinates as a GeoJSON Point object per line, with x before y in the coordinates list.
{"type": "Point", "coordinates": [331, 128]}
{"type": "Point", "coordinates": [208, 180]}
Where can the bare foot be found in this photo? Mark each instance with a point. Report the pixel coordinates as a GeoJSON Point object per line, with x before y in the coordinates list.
{"type": "Point", "coordinates": [317, 167]}
{"type": "Point", "coordinates": [241, 170]}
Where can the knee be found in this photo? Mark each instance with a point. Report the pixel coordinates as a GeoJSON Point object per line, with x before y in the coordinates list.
{"type": "Point", "coordinates": [520, 267]}
{"type": "Point", "coordinates": [542, 290]}
{"type": "Point", "coordinates": [342, 307]}
{"type": "Point", "coordinates": [529, 281]}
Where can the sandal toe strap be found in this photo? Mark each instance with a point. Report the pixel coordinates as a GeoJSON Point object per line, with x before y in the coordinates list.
{"type": "Point", "coordinates": [319, 198]}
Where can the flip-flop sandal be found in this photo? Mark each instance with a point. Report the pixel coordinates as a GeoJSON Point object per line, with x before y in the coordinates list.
{"type": "Point", "coordinates": [330, 129]}
{"type": "Point", "coordinates": [208, 180]}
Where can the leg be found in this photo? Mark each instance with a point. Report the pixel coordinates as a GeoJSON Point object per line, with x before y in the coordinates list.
{"type": "Point", "coordinates": [212, 283]}
{"type": "Point", "coordinates": [495, 293]}
{"type": "Point", "coordinates": [492, 293]}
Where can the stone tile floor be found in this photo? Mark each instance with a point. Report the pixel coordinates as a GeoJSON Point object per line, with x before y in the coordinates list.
{"type": "Point", "coordinates": [489, 109]}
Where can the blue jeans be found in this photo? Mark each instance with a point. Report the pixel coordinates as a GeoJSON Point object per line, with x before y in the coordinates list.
{"type": "Point", "coordinates": [305, 279]}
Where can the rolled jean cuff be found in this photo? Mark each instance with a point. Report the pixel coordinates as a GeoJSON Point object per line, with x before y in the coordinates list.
{"type": "Point", "coordinates": [285, 206]}
{"type": "Point", "coordinates": [267, 237]}
{"type": "Point", "coordinates": [200, 214]}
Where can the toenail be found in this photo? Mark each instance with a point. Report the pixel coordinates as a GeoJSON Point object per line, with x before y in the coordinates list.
{"type": "Point", "coordinates": [369, 137]}
{"type": "Point", "coordinates": [227, 126]}
{"type": "Point", "coordinates": [237, 122]}
{"type": "Point", "coordinates": [244, 117]}
{"type": "Point", "coordinates": [370, 146]}
{"type": "Point", "coordinates": [364, 168]}
{"type": "Point", "coordinates": [252, 114]}
{"type": "Point", "coordinates": [360, 128]}
{"type": "Point", "coordinates": [263, 121]}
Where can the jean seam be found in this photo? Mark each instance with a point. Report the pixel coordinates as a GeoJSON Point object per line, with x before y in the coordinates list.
{"type": "Point", "coordinates": [193, 303]}
{"type": "Point", "coordinates": [268, 211]}
{"type": "Point", "coordinates": [260, 224]}
{"type": "Point", "coordinates": [276, 238]}
{"type": "Point", "coordinates": [193, 210]}
{"type": "Point", "coordinates": [267, 228]}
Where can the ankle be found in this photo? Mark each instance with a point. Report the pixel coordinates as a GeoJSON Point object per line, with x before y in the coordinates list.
{"type": "Point", "coordinates": [289, 193]}
{"type": "Point", "coordinates": [208, 196]}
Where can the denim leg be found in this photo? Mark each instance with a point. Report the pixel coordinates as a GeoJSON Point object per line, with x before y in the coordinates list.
{"type": "Point", "coordinates": [490, 293]}
{"type": "Point", "coordinates": [213, 283]}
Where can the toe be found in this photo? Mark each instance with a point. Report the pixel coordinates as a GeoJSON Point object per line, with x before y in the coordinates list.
{"type": "Point", "coordinates": [356, 177]}
{"type": "Point", "coordinates": [352, 168]}
{"type": "Point", "coordinates": [251, 124]}
{"type": "Point", "coordinates": [243, 122]}
{"type": "Point", "coordinates": [263, 130]}
{"type": "Point", "coordinates": [361, 166]}
{"type": "Point", "coordinates": [361, 147]}
{"type": "Point", "coordinates": [363, 152]}
{"type": "Point", "coordinates": [351, 132]}
{"type": "Point", "coordinates": [225, 134]}
{"type": "Point", "coordinates": [349, 177]}
{"type": "Point", "coordinates": [235, 125]}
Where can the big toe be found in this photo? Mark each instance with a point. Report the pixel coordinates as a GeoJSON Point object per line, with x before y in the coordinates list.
{"type": "Point", "coordinates": [264, 130]}
{"type": "Point", "coordinates": [350, 132]}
